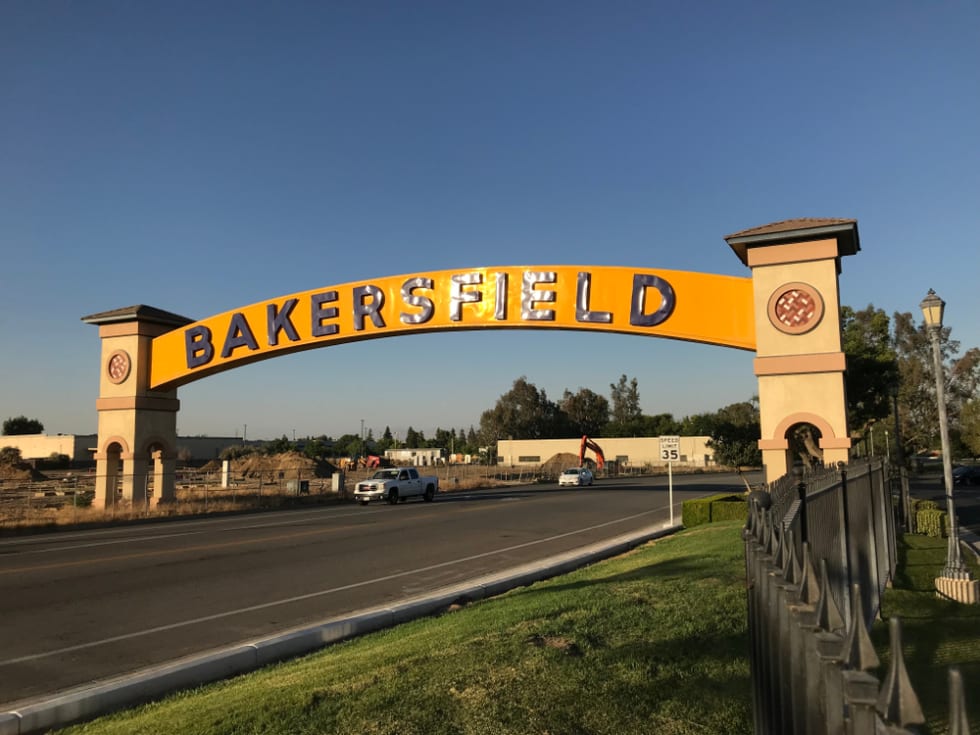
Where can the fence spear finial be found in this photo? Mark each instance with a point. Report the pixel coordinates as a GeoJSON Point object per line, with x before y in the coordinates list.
{"type": "Point", "coordinates": [809, 584]}
{"type": "Point", "coordinates": [958, 722]}
{"type": "Point", "coordinates": [897, 702]}
{"type": "Point", "coordinates": [829, 617]}
{"type": "Point", "coordinates": [859, 653]}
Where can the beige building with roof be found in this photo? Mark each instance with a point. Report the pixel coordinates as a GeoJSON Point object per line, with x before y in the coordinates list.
{"type": "Point", "coordinates": [626, 452]}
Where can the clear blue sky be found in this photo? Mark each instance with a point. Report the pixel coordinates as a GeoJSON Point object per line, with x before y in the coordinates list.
{"type": "Point", "coordinates": [200, 156]}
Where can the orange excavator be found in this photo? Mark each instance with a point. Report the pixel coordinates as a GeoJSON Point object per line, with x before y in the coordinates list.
{"type": "Point", "coordinates": [600, 458]}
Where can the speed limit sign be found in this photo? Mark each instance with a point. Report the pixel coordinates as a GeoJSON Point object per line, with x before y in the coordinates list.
{"type": "Point", "coordinates": [670, 452]}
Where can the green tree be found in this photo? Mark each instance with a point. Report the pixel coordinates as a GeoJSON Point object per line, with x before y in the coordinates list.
{"type": "Point", "coordinates": [661, 424]}
{"type": "Point", "coordinates": [625, 415]}
{"type": "Point", "coordinates": [10, 456]}
{"type": "Point", "coordinates": [472, 441]}
{"type": "Point", "coordinates": [699, 424]}
{"type": "Point", "coordinates": [413, 439]}
{"type": "Point", "coordinates": [524, 412]}
{"type": "Point", "coordinates": [235, 451]}
{"type": "Point", "coordinates": [20, 425]}
{"type": "Point", "coordinates": [872, 365]}
{"type": "Point", "coordinates": [348, 445]}
{"type": "Point", "coordinates": [444, 439]}
{"type": "Point", "coordinates": [586, 412]}
{"type": "Point", "coordinates": [970, 426]}
{"type": "Point", "coordinates": [918, 414]}
{"type": "Point", "coordinates": [279, 446]}
{"type": "Point", "coordinates": [387, 441]}
{"type": "Point", "coordinates": [317, 448]}
{"type": "Point", "coordinates": [735, 435]}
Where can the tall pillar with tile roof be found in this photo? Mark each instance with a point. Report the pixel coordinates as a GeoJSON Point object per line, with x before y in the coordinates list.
{"type": "Point", "coordinates": [799, 360]}
{"type": "Point", "coordinates": [137, 427]}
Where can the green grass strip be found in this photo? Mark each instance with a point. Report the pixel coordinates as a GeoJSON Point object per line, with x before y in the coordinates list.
{"type": "Point", "coordinates": [651, 642]}
{"type": "Point", "coordinates": [937, 633]}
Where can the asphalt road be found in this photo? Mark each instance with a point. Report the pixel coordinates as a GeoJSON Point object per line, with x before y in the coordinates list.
{"type": "Point", "coordinates": [80, 606]}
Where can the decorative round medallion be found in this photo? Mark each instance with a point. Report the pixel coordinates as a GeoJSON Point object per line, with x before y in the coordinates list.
{"type": "Point", "coordinates": [795, 308]}
{"type": "Point", "coordinates": [118, 366]}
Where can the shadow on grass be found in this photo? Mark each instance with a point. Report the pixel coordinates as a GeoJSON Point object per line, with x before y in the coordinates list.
{"type": "Point", "coordinates": [937, 633]}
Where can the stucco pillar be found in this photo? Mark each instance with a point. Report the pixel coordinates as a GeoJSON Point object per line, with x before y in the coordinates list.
{"type": "Point", "coordinates": [799, 359]}
{"type": "Point", "coordinates": [106, 479]}
{"type": "Point", "coordinates": [134, 422]}
{"type": "Point", "coordinates": [164, 467]}
{"type": "Point", "coordinates": [134, 481]}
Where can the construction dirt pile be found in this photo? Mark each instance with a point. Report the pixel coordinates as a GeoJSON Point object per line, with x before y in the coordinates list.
{"type": "Point", "coordinates": [19, 471]}
{"type": "Point", "coordinates": [291, 464]}
{"type": "Point", "coordinates": [559, 462]}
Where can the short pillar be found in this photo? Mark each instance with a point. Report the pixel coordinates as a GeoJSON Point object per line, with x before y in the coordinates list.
{"type": "Point", "coordinates": [106, 481]}
{"type": "Point", "coordinates": [134, 481]}
{"type": "Point", "coordinates": [164, 479]}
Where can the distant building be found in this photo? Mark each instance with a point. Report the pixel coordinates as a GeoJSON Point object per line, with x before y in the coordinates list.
{"type": "Point", "coordinates": [80, 448]}
{"type": "Point", "coordinates": [416, 457]}
{"type": "Point", "coordinates": [625, 451]}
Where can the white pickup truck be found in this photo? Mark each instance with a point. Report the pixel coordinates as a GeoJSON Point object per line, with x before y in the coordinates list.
{"type": "Point", "coordinates": [396, 483]}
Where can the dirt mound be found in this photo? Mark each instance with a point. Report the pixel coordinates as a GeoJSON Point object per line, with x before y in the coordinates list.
{"type": "Point", "coordinates": [291, 464]}
{"type": "Point", "coordinates": [19, 471]}
{"type": "Point", "coordinates": [559, 462]}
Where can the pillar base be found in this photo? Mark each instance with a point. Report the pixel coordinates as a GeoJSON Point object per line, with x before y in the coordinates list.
{"type": "Point", "coordinates": [966, 591]}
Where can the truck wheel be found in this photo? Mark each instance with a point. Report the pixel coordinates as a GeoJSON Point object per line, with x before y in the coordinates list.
{"type": "Point", "coordinates": [393, 496]}
{"type": "Point", "coordinates": [430, 494]}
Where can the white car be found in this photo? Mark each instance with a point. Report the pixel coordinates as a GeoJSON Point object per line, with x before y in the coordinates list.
{"type": "Point", "coordinates": [576, 476]}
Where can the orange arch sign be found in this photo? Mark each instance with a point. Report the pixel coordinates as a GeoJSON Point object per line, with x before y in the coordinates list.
{"type": "Point", "coordinates": [697, 307]}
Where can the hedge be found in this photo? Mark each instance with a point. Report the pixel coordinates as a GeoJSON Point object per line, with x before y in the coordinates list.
{"type": "Point", "coordinates": [721, 507]}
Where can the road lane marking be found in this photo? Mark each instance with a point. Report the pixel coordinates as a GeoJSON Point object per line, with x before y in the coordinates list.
{"type": "Point", "coordinates": [210, 523]}
{"type": "Point", "coordinates": [312, 595]}
{"type": "Point", "coordinates": [206, 547]}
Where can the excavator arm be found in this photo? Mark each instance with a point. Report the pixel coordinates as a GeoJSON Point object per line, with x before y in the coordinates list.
{"type": "Point", "coordinates": [600, 459]}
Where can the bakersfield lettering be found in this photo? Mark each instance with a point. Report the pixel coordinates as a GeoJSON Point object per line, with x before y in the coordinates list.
{"type": "Point", "coordinates": [475, 297]}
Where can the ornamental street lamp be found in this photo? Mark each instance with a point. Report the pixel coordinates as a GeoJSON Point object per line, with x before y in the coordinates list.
{"type": "Point", "coordinates": [932, 311]}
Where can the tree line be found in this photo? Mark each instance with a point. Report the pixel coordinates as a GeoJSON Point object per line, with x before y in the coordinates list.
{"type": "Point", "coordinates": [526, 412]}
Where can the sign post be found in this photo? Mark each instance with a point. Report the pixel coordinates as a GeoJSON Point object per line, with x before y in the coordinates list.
{"type": "Point", "coordinates": [670, 452]}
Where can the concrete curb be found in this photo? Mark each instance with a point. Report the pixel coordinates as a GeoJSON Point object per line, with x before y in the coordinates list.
{"type": "Point", "coordinates": [99, 698]}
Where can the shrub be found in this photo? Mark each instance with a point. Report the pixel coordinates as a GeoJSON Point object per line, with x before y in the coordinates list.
{"type": "Point", "coordinates": [931, 522]}
{"type": "Point", "coordinates": [235, 451]}
{"type": "Point", "coordinates": [721, 507]}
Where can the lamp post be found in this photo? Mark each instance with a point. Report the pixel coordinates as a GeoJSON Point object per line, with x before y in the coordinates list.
{"type": "Point", "coordinates": [932, 311]}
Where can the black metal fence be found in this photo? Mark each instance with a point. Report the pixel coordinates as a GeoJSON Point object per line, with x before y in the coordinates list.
{"type": "Point", "coordinates": [818, 556]}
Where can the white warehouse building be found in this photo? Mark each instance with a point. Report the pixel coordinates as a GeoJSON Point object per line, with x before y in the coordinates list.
{"type": "Point", "coordinates": [627, 452]}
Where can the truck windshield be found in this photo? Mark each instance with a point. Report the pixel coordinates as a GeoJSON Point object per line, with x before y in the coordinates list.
{"type": "Point", "coordinates": [385, 475]}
